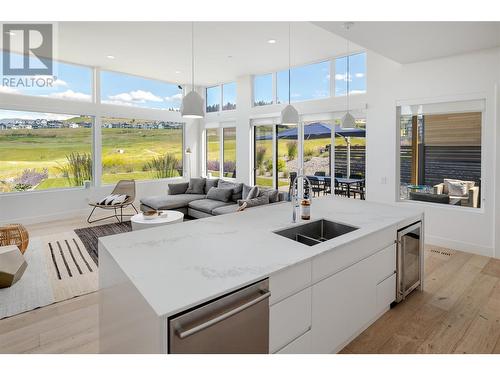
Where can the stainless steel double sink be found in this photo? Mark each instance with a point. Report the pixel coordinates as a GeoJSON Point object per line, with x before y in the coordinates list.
{"type": "Point", "coordinates": [316, 232]}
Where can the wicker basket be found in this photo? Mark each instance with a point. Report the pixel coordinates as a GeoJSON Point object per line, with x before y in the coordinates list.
{"type": "Point", "coordinates": [14, 234]}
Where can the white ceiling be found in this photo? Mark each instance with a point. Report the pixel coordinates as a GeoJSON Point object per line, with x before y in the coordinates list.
{"type": "Point", "coordinates": [159, 49]}
{"type": "Point", "coordinates": [408, 42]}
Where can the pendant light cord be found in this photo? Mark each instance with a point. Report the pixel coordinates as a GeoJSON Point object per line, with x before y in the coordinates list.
{"type": "Point", "coordinates": [192, 56]}
{"type": "Point", "coordinates": [348, 73]}
{"type": "Point", "coordinates": [289, 61]}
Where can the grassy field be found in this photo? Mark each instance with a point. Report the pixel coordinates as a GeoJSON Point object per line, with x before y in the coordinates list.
{"type": "Point", "coordinates": [125, 152]}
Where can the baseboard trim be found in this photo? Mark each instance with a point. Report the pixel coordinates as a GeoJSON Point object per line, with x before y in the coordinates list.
{"type": "Point", "coordinates": [28, 220]}
{"type": "Point", "coordinates": [460, 245]}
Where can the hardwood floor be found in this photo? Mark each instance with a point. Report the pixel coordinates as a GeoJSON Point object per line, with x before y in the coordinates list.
{"type": "Point", "coordinates": [459, 312]}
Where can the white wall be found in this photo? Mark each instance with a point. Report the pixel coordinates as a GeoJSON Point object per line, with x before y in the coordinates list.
{"type": "Point", "coordinates": [456, 78]}
{"type": "Point", "coordinates": [461, 77]}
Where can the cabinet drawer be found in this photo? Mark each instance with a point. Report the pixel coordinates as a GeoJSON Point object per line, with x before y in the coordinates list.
{"type": "Point", "coordinates": [301, 345]}
{"type": "Point", "coordinates": [386, 292]}
{"type": "Point", "coordinates": [285, 283]}
{"type": "Point", "coordinates": [335, 261]}
{"type": "Point", "coordinates": [289, 319]}
{"type": "Point", "coordinates": [384, 263]}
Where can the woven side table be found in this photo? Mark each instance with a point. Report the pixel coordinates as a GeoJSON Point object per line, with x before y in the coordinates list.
{"type": "Point", "coordinates": [14, 234]}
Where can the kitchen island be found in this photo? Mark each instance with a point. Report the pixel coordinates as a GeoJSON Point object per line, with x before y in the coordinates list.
{"type": "Point", "coordinates": [321, 297]}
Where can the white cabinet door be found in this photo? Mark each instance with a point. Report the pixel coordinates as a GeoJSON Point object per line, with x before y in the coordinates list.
{"type": "Point", "coordinates": [343, 304]}
{"type": "Point", "coordinates": [289, 319]}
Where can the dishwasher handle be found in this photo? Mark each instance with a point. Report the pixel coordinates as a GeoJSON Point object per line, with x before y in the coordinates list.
{"type": "Point", "coordinates": [189, 332]}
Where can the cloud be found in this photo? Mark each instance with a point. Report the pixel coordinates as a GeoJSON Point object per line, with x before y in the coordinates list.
{"type": "Point", "coordinates": [8, 90]}
{"type": "Point", "coordinates": [138, 96]}
{"type": "Point", "coordinates": [59, 83]}
{"type": "Point", "coordinates": [119, 102]}
{"type": "Point", "coordinates": [70, 94]}
{"type": "Point", "coordinates": [173, 98]}
{"type": "Point", "coordinates": [359, 75]}
{"type": "Point", "coordinates": [342, 77]}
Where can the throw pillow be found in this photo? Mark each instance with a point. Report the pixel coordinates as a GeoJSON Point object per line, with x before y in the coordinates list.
{"type": "Point", "coordinates": [179, 188]}
{"type": "Point", "coordinates": [119, 199]}
{"type": "Point", "coordinates": [219, 194]}
{"type": "Point", "coordinates": [210, 183]}
{"type": "Point", "coordinates": [253, 193]}
{"type": "Point", "coordinates": [196, 186]}
{"type": "Point", "coordinates": [109, 199]}
{"type": "Point", "coordinates": [254, 202]}
{"type": "Point", "coordinates": [457, 188]}
{"type": "Point", "coordinates": [245, 190]}
{"type": "Point", "coordinates": [236, 186]}
{"type": "Point", "coordinates": [272, 194]}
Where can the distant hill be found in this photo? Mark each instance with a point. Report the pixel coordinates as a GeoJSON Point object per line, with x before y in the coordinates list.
{"type": "Point", "coordinates": [79, 120]}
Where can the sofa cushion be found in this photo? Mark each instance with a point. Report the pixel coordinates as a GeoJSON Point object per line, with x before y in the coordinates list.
{"type": "Point", "coordinates": [229, 209]}
{"type": "Point", "coordinates": [219, 194]}
{"type": "Point", "coordinates": [236, 186]}
{"type": "Point", "coordinates": [271, 193]}
{"type": "Point", "coordinates": [253, 193]}
{"type": "Point", "coordinates": [446, 188]}
{"type": "Point", "coordinates": [196, 186]}
{"type": "Point", "coordinates": [245, 190]}
{"type": "Point", "coordinates": [170, 202]}
{"type": "Point", "coordinates": [457, 188]}
{"type": "Point", "coordinates": [179, 188]}
{"type": "Point", "coordinates": [207, 205]}
{"type": "Point", "coordinates": [210, 183]}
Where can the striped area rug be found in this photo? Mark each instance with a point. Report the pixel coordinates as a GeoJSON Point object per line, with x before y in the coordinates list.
{"type": "Point", "coordinates": [72, 271]}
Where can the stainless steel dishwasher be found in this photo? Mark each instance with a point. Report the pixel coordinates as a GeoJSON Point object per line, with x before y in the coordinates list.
{"type": "Point", "coordinates": [410, 260]}
{"type": "Point", "coordinates": [234, 323]}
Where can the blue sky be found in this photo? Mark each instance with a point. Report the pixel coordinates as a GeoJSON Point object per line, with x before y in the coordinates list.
{"type": "Point", "coordinates": [123, 89]}
{"type": "Point", "coordinates": [72, 81]}
{"type": "Point", "coordinates": [313, 81]}
{"type": "Point", "coordinates": [75, 82]}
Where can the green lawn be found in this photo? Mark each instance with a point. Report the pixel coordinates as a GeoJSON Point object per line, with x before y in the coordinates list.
{"type": "Point", "coordinates": [125, 152]}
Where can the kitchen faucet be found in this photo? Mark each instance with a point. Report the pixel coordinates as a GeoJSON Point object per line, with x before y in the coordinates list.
{"type": "Point", "coordinates": [294, 192]}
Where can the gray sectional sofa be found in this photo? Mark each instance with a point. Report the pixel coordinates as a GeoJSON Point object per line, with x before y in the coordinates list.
{"type": "Point", "coordinates": [195, 199]}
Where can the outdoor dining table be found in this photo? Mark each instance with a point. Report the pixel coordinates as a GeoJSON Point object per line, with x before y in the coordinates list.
{"type": "Point", "coordinates": [341, 180]}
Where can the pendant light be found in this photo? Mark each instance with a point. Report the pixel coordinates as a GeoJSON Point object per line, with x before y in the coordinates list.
{"type": "Point", "coordinates": [348, 121]}
{"type": "Point", "coordinates": [289, 115]}
{"type": "Point", "coordinates": [192, 103]}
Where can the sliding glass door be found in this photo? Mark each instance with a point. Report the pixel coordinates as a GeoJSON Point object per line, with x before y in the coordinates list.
{"type": "Point", "coordinates": [287, 155]}
{"type": "Point", "coordinates": [263, 155]}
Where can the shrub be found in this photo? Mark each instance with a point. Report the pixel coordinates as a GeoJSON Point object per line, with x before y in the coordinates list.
{"type": "Point", "coordinates": [292, 149]}
{"type": "Point", "coordinates": [229, 167]}
{"type": "Point", "coordinates": [164, 166]}
{"type": "Point", "coordinates": [213, 165]}
{"type": "Point", "coordinates": [281, 165]}
{"type": "Point", "coordinates": [29, 179]}
{"type": "Point", "coordinates": [260, 152]}
{"type": "Point", "coordinates": [78, 168]}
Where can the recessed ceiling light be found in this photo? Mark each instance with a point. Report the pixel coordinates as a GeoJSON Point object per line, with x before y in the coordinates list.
{"type": "Point", "coordinates": [177, 72]}
{"type": "Point", "coordinates": [272, 41]}
{"type": "Point", "coordinates": [111, 57]}
{"type": "Point", "coordinates": [229, 56]}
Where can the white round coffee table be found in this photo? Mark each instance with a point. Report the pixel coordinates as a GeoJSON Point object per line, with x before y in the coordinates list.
{"type": "Point", "coordinates": [168, 217]}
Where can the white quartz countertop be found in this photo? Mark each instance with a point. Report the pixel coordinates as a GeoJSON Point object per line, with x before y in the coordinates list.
{"type": "Point", "coordinates": [179, 266]}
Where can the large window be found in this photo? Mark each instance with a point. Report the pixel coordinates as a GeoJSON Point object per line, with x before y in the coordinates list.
{"type": "Point", "coordinates": [72, 82]}
{"type": "Point", "coordinates": [129, 90]}
{"type": "Point", "coordinates": [217, 140]}
{"type": "Point", "coordinates": [287, 155]}
{"type": "Point", "coordinates": [306, 83]}
{"type": "Point", "coordinates": [213, 98]}
{"type": "Point", "coordinates": [440, 155]}
{"type": "Point", "coordinates": [263, 89]}
{"type": "Point", "coordinates": [356, 78]}
{"type": "Point", "coordinates": [41, 151]}
{"type": "Point", "coordinates": [228, 96]}
{"type": "Point", "coordinates": [263, 155]}
{"type": "Point", "coordinates": [229, 151]}
{"type": "Point", "coordinates": [141, 149]}
{"type": "Point", "coordinates": [213, 152]}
